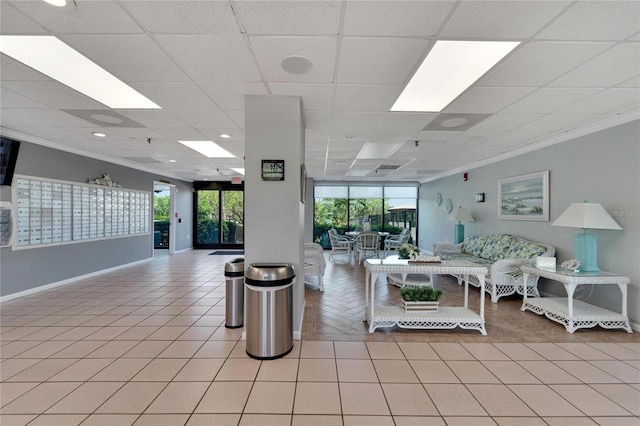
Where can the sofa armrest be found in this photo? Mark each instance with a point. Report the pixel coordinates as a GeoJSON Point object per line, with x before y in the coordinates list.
{"type": "Point", "coordinates": [446, 248]}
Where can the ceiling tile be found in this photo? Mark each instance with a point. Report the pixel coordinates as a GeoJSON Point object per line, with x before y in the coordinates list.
{"type": "Point", "coordinates": [315, 97]}
{"type": "Point", "coordinates": [355, 120]}
{"type": "Point", "coordinates": [231, 95]}
{"type": "Point", "coordinates": [11, 70]}
{"type": "Point", "coordinates": [156, 118]}
{"type": "Point", "coordinates": [321, 51]}
{"type": "Point", "coordinates": [14, 22]}
{"type": "Point", "coordinates": [11, 99]}
{"type": "Point", "coordinates": [52, 94]}
{"type": "Point", "coordinates": [379, 60]}
{"type": "Point", "coordinates": [406, 18]}
{"type": "Point", "coordinates": [200, 17]}
{"type": "Point", "coordinates": [537, 63]}
{"type": "Point", "coordinates": [176, 96]}
{"type": "Point", "coordinates": [130, 58]}
{"type": "Point", "coordinates": [611, 100]}
{"type": "Point", "coordinates": [204, 119]}
{"type": "Point", "coordinates": [212, 59]}
{"type": "Point", "coordinates": [90, 17]}
{"type": "Point", "coordinates": [317, 119]}
{"type": "Point", "coordinates": [614, 66]}
{"type": "Point", "coordinates": [289, 17]}
{"type": "Point", "coordinates": [514, 20]}
{"type": "Point", "coordinates": [406, 120]}
{"type": "Point", "coordinates": [548, 99]}
{"type": "Point", "coordinates": [487, 99]}
{"type": "Point", "coordinates": [595, 20]}
{"type": "Point", "coordinates": [506, 122]}
{"type": "Point", "coordinates": [365, 98]}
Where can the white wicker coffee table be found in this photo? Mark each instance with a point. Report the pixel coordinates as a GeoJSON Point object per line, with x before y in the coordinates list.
{"type": "Point", "coordinates": [447, 317]}
{"type": "Point", "coordinates": [575, 314]}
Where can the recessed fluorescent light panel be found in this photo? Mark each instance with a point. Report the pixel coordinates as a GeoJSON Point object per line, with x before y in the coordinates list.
{"type": "Point", "coordinates": [208, 149]}
{"type": "Point", "coordinates": [377, 151]}
{"type": "Point", "coordinates": [238, 170]}
{"type": "Point", "coordinates": [56, 59]}
{"type": "Point", "coordinates": [448, 70]}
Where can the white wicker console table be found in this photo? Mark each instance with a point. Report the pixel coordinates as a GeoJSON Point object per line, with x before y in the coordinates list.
{"type": "Point", "coordinates": [446, 317]}
{"type": "Point", "coordinates": [575, 314]}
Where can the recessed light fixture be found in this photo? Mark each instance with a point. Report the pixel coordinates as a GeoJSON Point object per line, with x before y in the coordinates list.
{"type": "Point", "coordinates": [172, 161]}
{"type": "Point", "coordinates": [58, 3]}
{"type": "Point", "coordinates": [99, 134]}
{"type": "Point", "coordinates": [448, 70]}
{"type": "Point", "coordinates": [56, 59]}
{"type": "Point", "coordinates": [238, 170]}
{"type": "Point", "coordinates": [377, 151]}
{"type": "Point", "coordinates": [225, 136]}
{"type": "Point", "coordinates": [208, 149]}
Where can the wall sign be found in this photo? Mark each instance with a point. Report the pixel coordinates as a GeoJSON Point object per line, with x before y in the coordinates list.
{"type": "Point", "coordinates": [272, 169]}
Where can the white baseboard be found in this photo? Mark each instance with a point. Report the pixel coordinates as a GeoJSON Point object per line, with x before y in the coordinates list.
{"type": "Point", "coordinates": [69, 281]}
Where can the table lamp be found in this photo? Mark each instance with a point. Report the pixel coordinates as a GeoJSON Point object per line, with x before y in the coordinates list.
{"type": "Point", "coordinates": [585, 246]}
{"type": "Point", "coordinates": [460, 215]}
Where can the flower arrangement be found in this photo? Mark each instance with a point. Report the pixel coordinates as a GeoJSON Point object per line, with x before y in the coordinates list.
{"type": "Point", "coordinates": [105, 180]}
{"type": "Point", "coordinates": [406, 250]}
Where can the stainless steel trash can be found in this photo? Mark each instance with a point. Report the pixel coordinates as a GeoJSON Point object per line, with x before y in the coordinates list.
{"type": "Point", "coordinates": [234, 303]}
{"type": "Point", "coordinates": [269, 328]}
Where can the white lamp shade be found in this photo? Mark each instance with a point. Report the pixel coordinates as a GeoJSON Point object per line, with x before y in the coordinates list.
{"type": "Point", "coordinates": [586, 215]}
{"type": "Point", "coordinates": [460, 215]}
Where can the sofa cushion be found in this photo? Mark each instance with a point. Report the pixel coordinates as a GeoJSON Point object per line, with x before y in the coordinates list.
{"type": "Point", "coordinates": [497, 246]}
{"type": "Point", "coordinates": [521, 249]}
{"type": "Point", "coordinates": [474, 245]}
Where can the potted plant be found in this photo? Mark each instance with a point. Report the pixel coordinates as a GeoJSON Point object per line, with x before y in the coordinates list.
{"type": "Point", "coordinates": [405, 250]}
{"type": "Point", "coordinates": [420, 299]}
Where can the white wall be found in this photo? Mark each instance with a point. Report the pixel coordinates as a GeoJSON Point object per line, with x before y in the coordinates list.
{"type": "Point", "coordinates": [603, 167]}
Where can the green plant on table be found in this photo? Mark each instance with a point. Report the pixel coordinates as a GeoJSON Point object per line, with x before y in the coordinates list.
{"type": "Point", "coordinates": [420, 294]}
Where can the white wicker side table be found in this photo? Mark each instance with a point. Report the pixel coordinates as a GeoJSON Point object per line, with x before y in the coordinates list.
{"type": "Point", "coordinates": [447, 317]}
{"type": "Point", "coordinates": [575, 314]}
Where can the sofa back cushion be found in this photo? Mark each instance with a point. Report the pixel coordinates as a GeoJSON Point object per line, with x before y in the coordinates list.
{"type": "Point", "coordinates": [521, 249]}
{"type": "Point", "coordinates": [474, 245]}
{"type": "Point", "coordinates": [497, 246]}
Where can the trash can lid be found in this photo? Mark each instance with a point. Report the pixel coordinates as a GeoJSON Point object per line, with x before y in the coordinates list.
{"type": "Point", "coordinates": [235, 268]}
{"type": "Point", "coordinates": [270, 274]}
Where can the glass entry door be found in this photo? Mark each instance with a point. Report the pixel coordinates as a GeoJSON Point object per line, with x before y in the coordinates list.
{"type": "Point", "coordinates": [219, 213]}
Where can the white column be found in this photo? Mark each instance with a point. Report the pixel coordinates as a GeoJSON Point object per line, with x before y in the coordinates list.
{"type": "Point", "coordinates": [274, 214]}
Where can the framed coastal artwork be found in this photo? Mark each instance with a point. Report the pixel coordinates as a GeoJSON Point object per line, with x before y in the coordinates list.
{"type": "Point", "coordinates": [524, 197]}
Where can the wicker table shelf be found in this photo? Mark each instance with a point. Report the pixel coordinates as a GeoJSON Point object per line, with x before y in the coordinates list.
{"type": "Point", "coordinates": [446, 318]}
{"type": "Point", "coordinates": [575, 314]}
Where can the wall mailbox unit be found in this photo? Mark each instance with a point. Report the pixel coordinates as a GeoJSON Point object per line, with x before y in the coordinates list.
{"type": "Point", "coordinates": [57, 212]}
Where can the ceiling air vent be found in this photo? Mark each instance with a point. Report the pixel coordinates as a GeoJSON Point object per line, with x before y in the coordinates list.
{"type": "Point", "coordinates": [388, 167]}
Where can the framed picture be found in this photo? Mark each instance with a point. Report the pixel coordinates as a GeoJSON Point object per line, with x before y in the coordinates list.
{"type": "Point", "coordinates": [524, 197]}
{"type": "Point", "coordinates": [303, 183]}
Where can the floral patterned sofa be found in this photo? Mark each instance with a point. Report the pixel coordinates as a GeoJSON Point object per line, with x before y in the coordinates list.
{"type": "Point", "coordinates": [502, 254]}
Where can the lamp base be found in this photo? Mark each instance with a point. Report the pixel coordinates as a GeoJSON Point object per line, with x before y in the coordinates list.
{"type": "Point", "coordinates": [585, 249]}
{"type": "Point", "coordinates": [459, 233]}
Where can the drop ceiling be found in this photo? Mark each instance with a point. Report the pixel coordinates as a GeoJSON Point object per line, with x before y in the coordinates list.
{"type": "Point", "coordinates": [576, 70]}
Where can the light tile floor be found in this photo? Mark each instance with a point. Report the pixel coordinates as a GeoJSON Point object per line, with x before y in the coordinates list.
{"type": "Point", "coordinates": [146, 345]}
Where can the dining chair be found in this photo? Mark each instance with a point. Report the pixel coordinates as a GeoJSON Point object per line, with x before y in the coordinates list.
{"type": "Point", "coordinates": [367, 242]}
{"type": "Point", "coordinates": [339, 242]}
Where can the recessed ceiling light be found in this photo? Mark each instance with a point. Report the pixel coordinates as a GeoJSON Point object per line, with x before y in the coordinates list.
{"type": "Point", "coordinates": [208, 149]}
{"type": "Point", "coordinates": [56, 59]}
{"type": "Point", "coordinates": [238, 170]}
{"type": "Point", "coordinates": [225, 136]}
{"type": "Point", "coordinates": [448, 70]}
{"type": "Point", "coordinates": [99, 134]}
{"type": "Point", "coordinates": [172, 161]}
{"type": "Point", "coordinates": [377, 151]}
{"type": "Point", "coordinates": [296, 64]}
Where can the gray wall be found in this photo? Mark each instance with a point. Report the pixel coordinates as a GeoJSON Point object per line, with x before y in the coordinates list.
{"type": "Point", "coordinates": [603, 167]}
{"type": "Point", "coordinates": [29, 268]}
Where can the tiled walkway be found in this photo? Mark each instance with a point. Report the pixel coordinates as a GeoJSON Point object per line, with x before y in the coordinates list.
{"type": "Point", "coordinates": [147, 345]}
